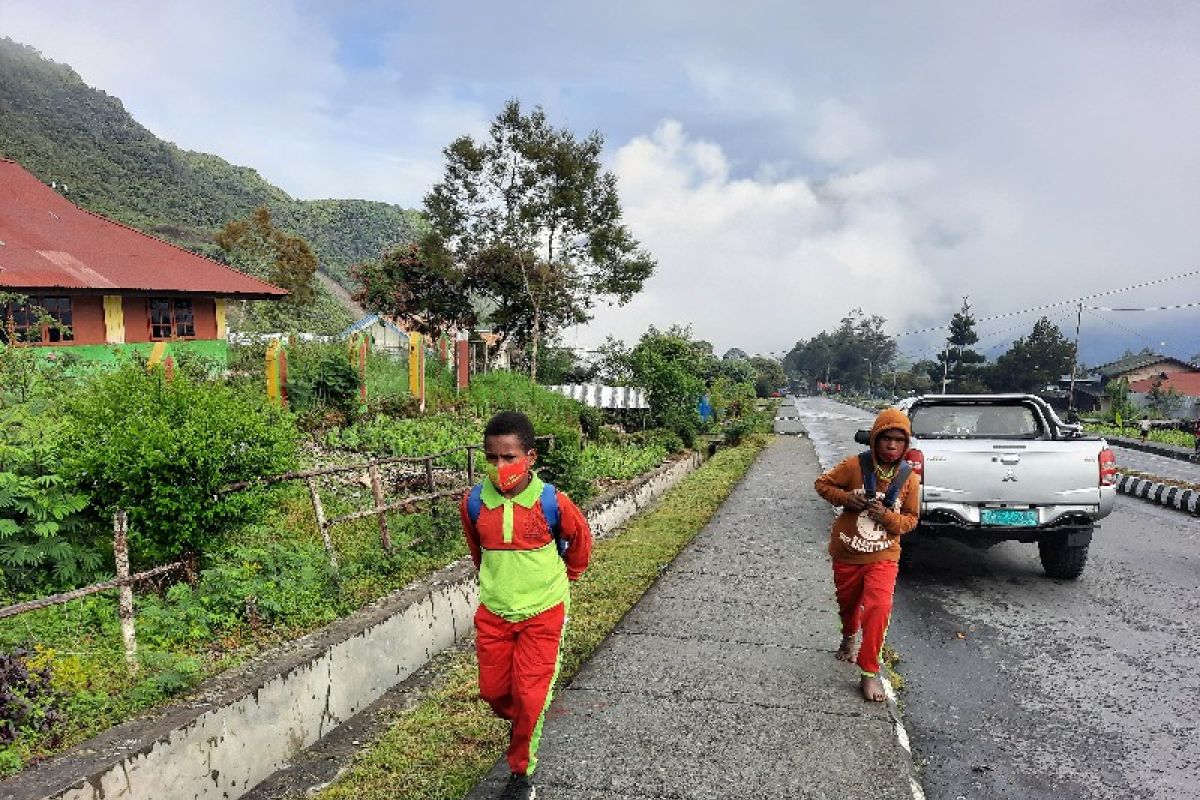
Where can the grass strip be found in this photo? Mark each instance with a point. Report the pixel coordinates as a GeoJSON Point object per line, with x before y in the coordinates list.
{"type": "Point", "coordinates": [446, 744]}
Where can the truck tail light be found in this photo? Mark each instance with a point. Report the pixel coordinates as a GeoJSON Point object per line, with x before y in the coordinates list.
{"type": "Point", "coordinates": [916, 460]}
{"type": "Point", "coordinates": [1108, 467]}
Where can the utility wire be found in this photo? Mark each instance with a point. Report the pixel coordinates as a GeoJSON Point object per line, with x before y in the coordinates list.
{"type": "Point", "coordinates": [1061, 303]}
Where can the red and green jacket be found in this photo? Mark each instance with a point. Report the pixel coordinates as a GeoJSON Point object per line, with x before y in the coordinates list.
{"type": "Point", "coordinates": [520, 571]}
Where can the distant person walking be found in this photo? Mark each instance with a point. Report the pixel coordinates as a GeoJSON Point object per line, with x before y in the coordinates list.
{"type": "Point", "coordinates": [1196, 435]}
{"type": "Point", "coordinates": [865, 540]}
{"type": "Point", "coordinates": [1144, 428]}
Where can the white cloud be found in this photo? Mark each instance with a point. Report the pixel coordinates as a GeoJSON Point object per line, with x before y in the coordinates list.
{"type": "Point", "coordinates": [842, 135]}
{"type": "Point", "coordinates": [764, 261]}
{"type": "Point", "coordinates": [1017, 153]}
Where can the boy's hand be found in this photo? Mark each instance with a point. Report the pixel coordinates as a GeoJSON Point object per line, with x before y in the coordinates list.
{"type": "Point", "coordinates": [856, 503]}
{"type": "Point", "coordinates": [875, 510]}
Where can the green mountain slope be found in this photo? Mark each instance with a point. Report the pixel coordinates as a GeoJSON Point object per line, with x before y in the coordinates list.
{"type": "Point", "coordinates": [64, 131]}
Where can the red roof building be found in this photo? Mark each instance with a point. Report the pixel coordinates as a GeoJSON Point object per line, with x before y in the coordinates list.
{"type": "Point", "coordinates": [106, 283]}
{"type": "Point", "coordinates": [1186, 383]}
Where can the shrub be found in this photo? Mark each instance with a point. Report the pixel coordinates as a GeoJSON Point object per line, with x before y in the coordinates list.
{"type": "Point", "coordinates": [669, 366]}
{"type": "Point", "coordinates": [322, 375]}
{"type": "Point", "coordinates": [620, 463]}
{"type": "Point", "coordinates": [408, 437]}
{"type": "Point", "coordinates": [668, 440]}
{"type": "Point", "coordinates": [273, 584]}
{"type": "Point", "coordinates": [45, 543]}
{"type": "Point", "coordinates": [29, 705]}
{"type": "Point", "coordinates": [747, 425]}
{"type": "Point", "coordinates": [162, 450]}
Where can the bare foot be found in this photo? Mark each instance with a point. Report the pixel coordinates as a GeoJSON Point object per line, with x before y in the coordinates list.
{"type": "Point", "coordinates": [845, 651]}
{"type": "Point", "coordinates": [872, 689]}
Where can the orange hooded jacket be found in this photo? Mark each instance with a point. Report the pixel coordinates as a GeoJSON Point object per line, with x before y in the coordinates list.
{"type": "Point", "coordinates": [855, 539]}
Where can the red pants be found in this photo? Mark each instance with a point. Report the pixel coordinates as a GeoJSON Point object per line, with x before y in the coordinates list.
{"type": "Point", "coordinates": [864, 596]}
{"type": "Point", "coordinates": [518, 662]}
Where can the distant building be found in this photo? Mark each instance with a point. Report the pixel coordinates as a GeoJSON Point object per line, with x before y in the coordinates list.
{"type": "Point", "coordinates": [1142, 365]}
{"type": "Point", "coordinates": [1142, 370]}
{"type": "Point", "coordinates": [106, 283]}
{"type": "Point", "coordinates": [386, 335]}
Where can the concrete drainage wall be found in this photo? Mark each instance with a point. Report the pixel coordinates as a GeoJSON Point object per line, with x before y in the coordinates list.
{"type": "Point", "coordinates": [242, 726]}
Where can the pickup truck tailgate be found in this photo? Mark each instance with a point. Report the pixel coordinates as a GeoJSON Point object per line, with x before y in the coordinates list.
{"type": "Point", "coordinates": [1035, 473]}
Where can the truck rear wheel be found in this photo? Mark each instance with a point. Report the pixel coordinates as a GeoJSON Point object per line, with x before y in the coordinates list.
{"type": "Point", "coordinates": [1060, 559]}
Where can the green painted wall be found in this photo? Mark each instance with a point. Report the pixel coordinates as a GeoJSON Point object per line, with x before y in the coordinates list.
{"type": "Point", "coordinates": [112, 353]}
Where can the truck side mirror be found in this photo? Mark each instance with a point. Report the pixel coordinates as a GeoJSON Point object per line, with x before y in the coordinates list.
{"type": "Point", "coordinates": [862, 437]}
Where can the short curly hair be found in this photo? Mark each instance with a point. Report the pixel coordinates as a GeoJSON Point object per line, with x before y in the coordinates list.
{"type": "Point", "coordinates": [509, 423]}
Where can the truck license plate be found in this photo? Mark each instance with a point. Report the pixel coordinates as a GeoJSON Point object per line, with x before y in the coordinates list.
{"type": "Point", "coordinates": [1012, 517]}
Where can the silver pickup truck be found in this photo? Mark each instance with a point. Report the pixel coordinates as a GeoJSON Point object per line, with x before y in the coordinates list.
{"type": "Point", "coordinates": [1004, 467]}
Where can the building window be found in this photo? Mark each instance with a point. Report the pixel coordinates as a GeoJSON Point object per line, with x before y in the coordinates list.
{"type": "Point", "coordinates": [39, 320]}
{"type": "Point", "coordinates": [171, 319]}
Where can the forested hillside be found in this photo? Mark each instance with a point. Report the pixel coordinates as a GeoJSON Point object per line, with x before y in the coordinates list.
{"type": "Point", "coordinates": [64, 131]}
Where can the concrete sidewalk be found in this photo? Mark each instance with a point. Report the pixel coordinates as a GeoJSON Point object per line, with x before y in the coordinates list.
{"type": "Point", "coordinates": [721, 682]}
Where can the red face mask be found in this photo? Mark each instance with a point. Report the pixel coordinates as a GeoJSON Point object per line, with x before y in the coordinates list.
{"type": "Point", "coordinates": [507, 477]}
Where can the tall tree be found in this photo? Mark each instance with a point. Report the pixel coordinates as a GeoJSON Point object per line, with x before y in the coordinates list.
{"type": "Point", "coordinates": [255, 246]}
{"type": "Point", "coordinates": [853, 354]}
{"type": "Point", "coordinates": [768, 376]}
{"type": "Point", "coordinates": [423, 294]}
{"type": "Point", "coordinates": [959, 365]}
{"type": "Point", "coordinates": [536, 224]}
{"type": "Point", "coordinates": [1033, 361]}
{"type": "Point", "coordinates": [668, 365]}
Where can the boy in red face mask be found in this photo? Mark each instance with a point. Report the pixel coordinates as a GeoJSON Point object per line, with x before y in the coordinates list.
{"type": "Point", "coordinates": [865, 540]}
{"type": "Point", "coordinates": [524, 586]}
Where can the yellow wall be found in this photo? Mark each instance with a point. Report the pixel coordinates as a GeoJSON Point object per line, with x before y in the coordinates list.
{"type": "Point", "coordinates": [114, 320]}
{"type": "Point", "coordinates": [221, 329]}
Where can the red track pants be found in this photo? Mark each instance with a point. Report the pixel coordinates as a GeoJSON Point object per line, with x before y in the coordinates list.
{"type": "Point", "coordinates": [864, 596]}
{"type": "Point", "coordinates": [518, 662]}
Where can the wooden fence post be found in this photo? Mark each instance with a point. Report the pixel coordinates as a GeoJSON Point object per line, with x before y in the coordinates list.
{"type": "Point", "coordinates": [319, 511]}
{"type": "Point", "coordinates": [432, 487]}
{"type": "Point", "coordinates": [125, 590]}
{"type": "Point", "coordinates": [385, 535]}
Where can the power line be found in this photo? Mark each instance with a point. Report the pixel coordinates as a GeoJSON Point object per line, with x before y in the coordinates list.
{"type": "Point", "coordinates": [1148, 308]}
{"type": "Point", "coordinates": [1061, 303]}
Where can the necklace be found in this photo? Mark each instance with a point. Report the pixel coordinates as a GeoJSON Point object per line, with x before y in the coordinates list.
{"type": "Point", "coordinates": [885, 474]}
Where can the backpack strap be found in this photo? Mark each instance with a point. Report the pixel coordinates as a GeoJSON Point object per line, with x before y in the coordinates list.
{"type": "Point", "coordinates": [893, 490]}
{"type": "Point", "coordinates": [475, 502]}
{"type": "Point", "coordinates": [549, 501]}
{"type": "Point", "coordinates": [866, 464]}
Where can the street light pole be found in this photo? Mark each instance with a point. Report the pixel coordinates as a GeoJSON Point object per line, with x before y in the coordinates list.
{"type": "Point", "coordinates": [1074, 362]}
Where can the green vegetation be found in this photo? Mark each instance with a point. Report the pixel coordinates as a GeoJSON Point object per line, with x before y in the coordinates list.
{"type": "Point", "coordinates": [82, 139]}
{"type": "Point", "coordinates": [677, 371]}
{"type": "Point", "coordinates": [162, 450]}
{"type": "Point", "coordinates": [1171, 436]}
{"type": "Point", "coordinates": [445, 745]}
{"type": "Point", "coordinates": [80, 438]}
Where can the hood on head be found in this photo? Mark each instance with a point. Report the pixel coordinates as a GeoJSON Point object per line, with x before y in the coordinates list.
{"type": "Point", "coordinates": [890, 419]}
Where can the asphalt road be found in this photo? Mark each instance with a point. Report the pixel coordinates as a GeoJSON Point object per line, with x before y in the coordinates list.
{"type": "Point", "coordinates": [1019, 686]}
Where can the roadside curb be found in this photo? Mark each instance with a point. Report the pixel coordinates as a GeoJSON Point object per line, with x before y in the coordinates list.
{"type": "Point", "coordinates": [1165, 494]}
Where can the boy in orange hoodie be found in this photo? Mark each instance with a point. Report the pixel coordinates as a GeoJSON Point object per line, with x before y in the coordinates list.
{"type": "Point", "coordinates": [865, 540]}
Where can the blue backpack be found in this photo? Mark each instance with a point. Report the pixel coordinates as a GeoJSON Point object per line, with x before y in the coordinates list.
{"type": "Point", "coordinates": [868, 472]}
{"type": "Point", "coordinates": [548, 501]}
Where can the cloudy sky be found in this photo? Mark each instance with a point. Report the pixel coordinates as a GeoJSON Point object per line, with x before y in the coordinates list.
{"type": "Point", "coordinates": [785, 162]}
